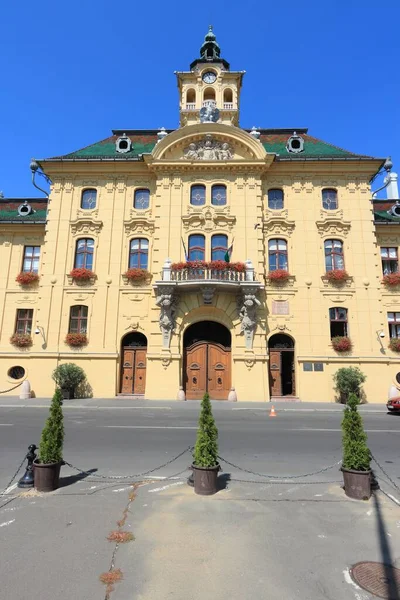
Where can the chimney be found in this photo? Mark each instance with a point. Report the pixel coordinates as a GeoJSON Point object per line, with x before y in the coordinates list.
{"type": "Point", "coordinates": [392, 190]}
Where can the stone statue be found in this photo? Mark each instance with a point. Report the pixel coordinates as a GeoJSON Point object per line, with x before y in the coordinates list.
{"type": "Point", "coordinates": [166, 302]}
{"type": "Point", "coordinates": [248, 316]}
{"type": "Point", "coordinates": [208, 149]}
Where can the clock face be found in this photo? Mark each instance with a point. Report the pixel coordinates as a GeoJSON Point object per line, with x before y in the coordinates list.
{"type": "Point", "coordinates": [209, 77]}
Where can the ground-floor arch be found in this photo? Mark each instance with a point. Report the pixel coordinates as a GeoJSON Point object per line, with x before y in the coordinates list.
{"type": "Point", "coordinates": [281, 365]}
{"type": "Point", "coordinates": [133, 364]}
{"type": "Point", "coordinates": [207, 360]}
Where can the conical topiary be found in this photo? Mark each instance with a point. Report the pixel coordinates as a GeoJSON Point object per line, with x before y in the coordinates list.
{"type": "Point", "coordinates": [356, 454]}
{"type": "Point", "coordinates": [51, 442]}
{"type": "Point", "coordinates": [206, 448]}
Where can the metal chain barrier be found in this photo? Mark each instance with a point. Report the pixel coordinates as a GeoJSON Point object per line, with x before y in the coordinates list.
{"type": "Point", "coordinates": [277, 476]}
{"type": "Point", "coordinates": [394, 484]}
{"type": "Point", "coordinates": [13, 477]}
{"type": "Point", "coordinates": [91, 474]}
{"type": "Point", "coordinates": [11, 389]}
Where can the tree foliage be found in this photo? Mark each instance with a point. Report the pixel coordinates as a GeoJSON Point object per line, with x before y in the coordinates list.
{"type": "Point", "coordinates": [51, 442]}
{"type": "Point", "coordinates": [348, 381]}
{"type": "Point", "coordinates": [68, 376]}
{"type": "Point", "coordinates": [356, 454]}
{"type": "Point", "coordinates": [206, 448]}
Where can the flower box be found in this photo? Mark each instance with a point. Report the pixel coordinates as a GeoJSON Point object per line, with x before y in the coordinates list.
{"type": "Point", "coordinates": [82, 274]}
{"type": "Point", "coordinates": [76, 339]}
{"type": "Point", "coordinates": [136, 275]}
{"type": "Point", "coordinates": [394, 344]}
{"type": "Point", "coordinates": [216, 265]}
{"type": "Point", "coordinates": [341, 343]}
{"type": "Point", "coordinates": [278, 276]}
{"type": "Point", "coordinates": [391, 279]}
{"type": "Point", "coordinates": [27, 278]}
{"type": "Point", "coordinates": [21, 340]}
{"type": "Point", "coordinates": [337, 276]}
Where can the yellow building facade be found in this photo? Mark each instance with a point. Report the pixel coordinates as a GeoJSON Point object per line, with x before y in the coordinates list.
{"type": "Point", "coordinates": [246, 263]}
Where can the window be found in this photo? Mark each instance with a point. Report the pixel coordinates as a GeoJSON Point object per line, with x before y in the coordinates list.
{"type": "Point", "coordinates": [84, 254]}
{"type": "Point", "coordinates": [24, 321]}
{"type": "Point", "coordinates": [141, 199]}
{"type": "Point", "coordinates": [89, 199]}
{"type": "Point", "coordinates": [329, 199]}
{"type": "Point", "coordinates": [78, 319]}
{"type": "Point", "coordinates": [275, 199]}
{"type": "Point", "coordinates": [196, 247]}
{"type": "Point", "coordinates": [338, 321]}
{"type": "Point", "coordinates": [219, 246]}
{"type": "Point", "coordinates": [209, 94]}
{"type": "Point", "coordinates": [334, 255]}
{"type": "Point", "coordinates": [218, 195]}
{"type": "Point", "coordinates": [198, 195]}
{"type": "Point", "coordinates": [31, 259]}
{"type": "Point", "coordinates": [190, 99]}
{"type": "Point", "coordinates": [390, 263]}
{"type": "Point", "coordinates": [139, 253]}
{"type": "Point", "coordinates": [277, 253]}
{"type": "Point", "coordinates": [394, 324]}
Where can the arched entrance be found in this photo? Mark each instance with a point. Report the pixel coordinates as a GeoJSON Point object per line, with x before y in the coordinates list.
{"type": "Point", "coordinates": [281, 365]}
{"type": "Point", "coordinates": [207, 361]}
{"type": "Point", "coordinates": [133, 365]}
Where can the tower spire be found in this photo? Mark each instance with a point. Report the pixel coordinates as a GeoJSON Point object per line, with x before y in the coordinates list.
{"type": "Point", "coordinates": [210, 51]}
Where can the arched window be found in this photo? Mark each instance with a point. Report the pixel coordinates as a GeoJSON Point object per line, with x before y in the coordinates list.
{"type": "Point", "coordinates": [196, 247]}
{"type": "Point", "coordinates": [228, 99]}
{"type": "Point", "coordinates": [218, 195]}
{"type": "Point", "coordinates": [141, 199]}
{"type": "Point", "coordinates": [190, 99]}
{"type": "Point", "coordinates": [277, 255]}
{"type": "Point", "coordinates": [333, 255]}
{"type": "Point", "coordinates": [84, 254]}
{"type": "Point", "coordinates": [89, 199]}
{"type": "Point", "coordinates": [338, 321]}
{"type": "Point", "coordinates": [198, 195]}
{"type": "Point", "coordinates": [275, 199]}
{"type": "Point", "coordinates": [209, 94]}
{"type": "Point", "coordinates": [329, 199]}
{"type": "Point", "coordinates": [78, 317]}
{"type": "Point", "coordinates": [139, 253]}
{"type": "Point", "coordinates": [219, 246]}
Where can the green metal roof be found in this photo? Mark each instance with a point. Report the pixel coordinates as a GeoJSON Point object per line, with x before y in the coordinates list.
{"type": "Point", "coordinates": [9, 210]}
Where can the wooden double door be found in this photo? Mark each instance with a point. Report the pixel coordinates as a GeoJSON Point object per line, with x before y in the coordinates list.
{"type": "Point", "coordinates": [281, 372]}
{"type": "Point", "coordinates": [207, 368]}
{"type": "Point", "coordinates": [133, 379]}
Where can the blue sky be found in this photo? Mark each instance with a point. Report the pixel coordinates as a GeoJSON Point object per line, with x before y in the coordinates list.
{"type": "Point", "coordinates": [70, 72]}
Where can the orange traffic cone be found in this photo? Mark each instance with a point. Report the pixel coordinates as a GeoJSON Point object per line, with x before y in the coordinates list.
{"type": "Point", "coordinates": [272, 413]}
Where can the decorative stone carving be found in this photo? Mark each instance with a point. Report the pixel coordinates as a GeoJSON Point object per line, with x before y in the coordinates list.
{"type": "Point", "coordinates": [208, 293]}
{"type": "Point", "coordinates": [139, 225]}
{"type": "Point", "coordinates": [208, 218]}
{"type": "Point", "coordinates": [277, 223]}
{"type": "Point", "coordinates": [85, 225]}
{"type": "Point", "coordinates": [247, 307]}
{"type": "Point", "coordinates": [333, 224]}
{"type": "Point", "coordinates": [167, 303]}
{"type": "Point", "coordinates": [208, 149]}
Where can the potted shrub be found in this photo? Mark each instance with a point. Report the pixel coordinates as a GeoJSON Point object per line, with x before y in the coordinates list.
{"type": "Point", "coordinates": [205, 456]}
{"type": "Point", "coordinates": [348, 380]}
{"type": "Point", "coordinates": [21, 340]}
{"type": "Point", "coordinates": [135, 275]}
{"type": "Point", "coordinates": [337, 276]}
{"type": "Point", "coordinates": [394, 344]}
{"type": "Point", "coordinates": [27, 278]}
{"type": "Point", "coordinates": [67, 377]}
{"type": "Point", "coordinates": [76, 340]}
{"type": "Point", "coordinates": [391, 279]}
{"type": "Point", "coordinates": [47, 465]}
{"type": "Point", "coordinates": [341, 343]}
{"type": "Point", "coordinates": [356, 464]}
{"type": "Point", "coordinates": [278, 276]}
{"type": "Point", "coordinates": [81, 274]}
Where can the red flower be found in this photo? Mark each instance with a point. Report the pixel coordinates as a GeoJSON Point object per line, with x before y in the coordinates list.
{"type": "Point", "coordinates": [391, 279]}
{"type": "Point", "coordinates": [27, 277]}
{"type": "Point", "coordinates": [76, 339]}
{"type": "Point", "coordinates": [21, 340]}
{"type": "Point", "coordinates": [394, 344]}
{"type": "Point", "coordinates": [216, 265]}
{"type": "Point", "coordinates": [136, 275]}
{"type": "Point", "coordinates": [179, 266]}
{"type": "Point", "coordinates": [280, 275]}
{"type": "Point", "coordinates": [337, 275]}
{"type": "Point", "coordinates": [341, 343]}
{"type": "Point", "coordinates": [81, 274]}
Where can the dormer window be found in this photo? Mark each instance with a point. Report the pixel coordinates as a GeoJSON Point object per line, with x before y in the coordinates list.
{"type": "Point", "coordinates": [123, 144]}
{"type": "Point", "coordinates": [295, 144]}
{"type": "Point", "coordinates": [25, 209]}
{"type": "Point", "coordinates": [395, 210]}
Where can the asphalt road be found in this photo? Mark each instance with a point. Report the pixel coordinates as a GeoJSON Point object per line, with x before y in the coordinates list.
{"type": "Point", "coordinates": [128, 440]}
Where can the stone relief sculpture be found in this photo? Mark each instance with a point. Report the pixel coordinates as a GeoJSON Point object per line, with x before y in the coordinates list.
{"type": "Point", "coordinates": [208, 149]}
{"type": "Point", "coordinates": [167, 304]}
{"type": "Point", "coordinates": [247, 306]}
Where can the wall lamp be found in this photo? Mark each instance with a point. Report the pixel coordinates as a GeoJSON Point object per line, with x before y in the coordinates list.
{"type": "Point", "coordinates": [36, 170]}
{"type": "Point", "coordinates": [40, 330]}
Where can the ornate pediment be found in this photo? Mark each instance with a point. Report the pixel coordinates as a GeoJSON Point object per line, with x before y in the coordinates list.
{"type": "Point", "coordinates": [208, 148]}
{"type": "Point", "coordinates": [208, 218]}
{"type": "Point", "coordinates": [333, 224]}
{"type": "Point", "coordinates": [277, 222]}
{"type": "Point", "coordinates": [86, 225]}
{"type": "Point", "coordinates": [139, 225]}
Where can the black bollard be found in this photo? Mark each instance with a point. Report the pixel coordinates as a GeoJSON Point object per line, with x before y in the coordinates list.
{"type": "Point", "coordinates": [27, 480]}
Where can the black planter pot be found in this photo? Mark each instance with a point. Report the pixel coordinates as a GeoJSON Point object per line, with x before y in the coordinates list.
{"type": "Point", "coordinates": [205, 480]}
{"type": "Point", "coordinates": [46, 476]}
{"type": "Point", "coordinates": [357, 484]}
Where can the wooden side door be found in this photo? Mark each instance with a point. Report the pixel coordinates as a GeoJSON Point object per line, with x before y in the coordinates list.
{"type": "Point", "coordinates": [218, 372]}
{"type": "Point", "coordinates": [275, 370]}
{"type": "Point", "coordinates": [127, 371]}
{"type": "Point", "coordinates": [139, 377]}
{"type": "Point", "coordinates": [195, 371]}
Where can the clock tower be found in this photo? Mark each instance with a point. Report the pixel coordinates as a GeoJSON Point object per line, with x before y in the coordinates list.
{"type": "Point", "coordinates": [210, 91]}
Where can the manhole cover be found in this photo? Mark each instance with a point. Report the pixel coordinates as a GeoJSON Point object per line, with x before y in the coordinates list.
{"type": "Point", "coordinates": [378, 579]}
